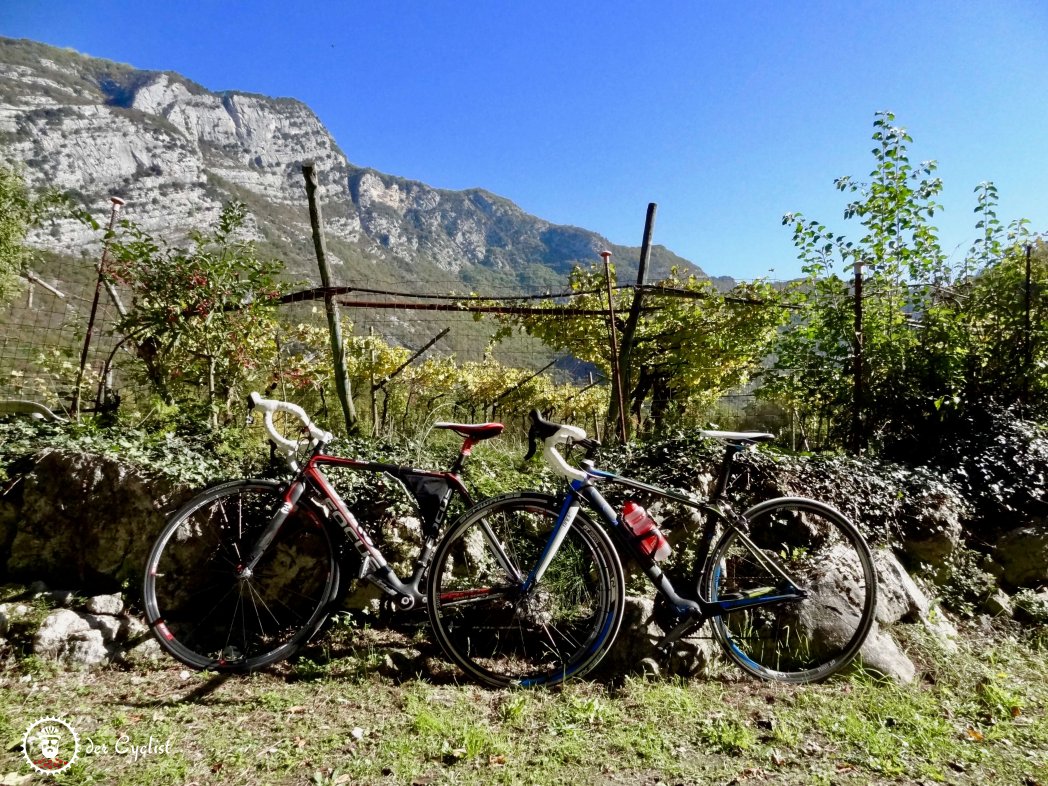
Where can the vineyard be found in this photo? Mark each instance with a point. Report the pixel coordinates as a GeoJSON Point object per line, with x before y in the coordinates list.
{"type": "Point", "coordinates": [884, 344]}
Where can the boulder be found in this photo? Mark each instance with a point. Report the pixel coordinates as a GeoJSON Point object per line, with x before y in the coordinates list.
{"type": "Point", "coordinates": [900, 599]}
{"type": "Point", "coordinates": [1023, 556]}
{"type": "Point", "coordinates": [85, 649]}
{"type": "Point", "coordinates": [637, 641]}
{"type": "Point", "coordinates": [105, 604]}
{"type": "Point", "coordinates": [57, 629]}
{"type": "Point", "coordinates": [881, 654]}
{"type": "Point", "coordinates": [108, 626]}
{"type": "Point", "coordinates": [1032, 607]}
{"type": "Point", "coordinates": [933, 533]}
{"type": "Point", "coordinates": [86, 520]}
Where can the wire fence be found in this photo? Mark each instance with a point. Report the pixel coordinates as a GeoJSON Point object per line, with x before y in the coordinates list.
{"type": "Point", "coordinates": [44, 338]}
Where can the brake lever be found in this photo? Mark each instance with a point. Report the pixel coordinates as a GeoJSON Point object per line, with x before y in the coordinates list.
{"type": "Point", "coordinates": [533, 442]}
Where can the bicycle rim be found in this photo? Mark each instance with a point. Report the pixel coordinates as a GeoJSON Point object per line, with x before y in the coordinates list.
{"type": "Point", "coordinates": [795, 640]}
{"type": "Point", "coordinates": [209, 617]}
{"type": "Point", "coordinates": [502, 636]}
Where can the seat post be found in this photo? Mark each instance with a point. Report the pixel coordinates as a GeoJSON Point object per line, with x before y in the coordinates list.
{"type": "Point", "coordinates": [725, 470]}
{"type": "Point", "coordinates": [464, 451]}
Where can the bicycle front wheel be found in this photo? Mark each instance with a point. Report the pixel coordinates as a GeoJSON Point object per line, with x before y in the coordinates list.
{"type": "Point", "coordinates": [503, 634]}
{"type": "Point", "coordinates": [803, 636]}
{"type": "Point", "coordinates": [207, 613]}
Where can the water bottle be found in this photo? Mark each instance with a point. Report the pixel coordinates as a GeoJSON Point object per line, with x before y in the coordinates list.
{"type": "Point", "coordinates": [650, 539]}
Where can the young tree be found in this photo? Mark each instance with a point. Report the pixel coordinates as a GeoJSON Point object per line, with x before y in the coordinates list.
{"type": "Point", "coordinates": [203, 317]}
{"type": "Point", "coordinates": [20, 211]}
{"type": "Point", "coordinates": [857, 384]}
{"type": "Point", "coordinates": [915, 344]}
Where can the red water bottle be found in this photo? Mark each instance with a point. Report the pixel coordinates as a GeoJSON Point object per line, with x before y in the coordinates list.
{"type": "Point", "coordinates": [650, 539]}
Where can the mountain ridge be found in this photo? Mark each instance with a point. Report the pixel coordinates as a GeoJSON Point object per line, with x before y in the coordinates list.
{"type": "Point", "coordinates": [176, 151]}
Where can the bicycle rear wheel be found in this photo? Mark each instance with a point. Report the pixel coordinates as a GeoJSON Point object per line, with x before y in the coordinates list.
{"type": "Point", "coordinates": [209, 617]}
{"type": "Point", "coordinates": [501, 634]}
{"type": "Point", "coordinates": [798, 639]}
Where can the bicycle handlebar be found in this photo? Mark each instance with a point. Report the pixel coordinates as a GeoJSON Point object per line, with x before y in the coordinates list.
{"type": "Point", "coordinates": [287, 446]}
{"type": "Point", "coordinates": [552, 435]}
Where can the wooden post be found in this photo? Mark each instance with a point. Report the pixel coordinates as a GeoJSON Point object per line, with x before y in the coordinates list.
{"type": "Point", "coordinates": [618, 403]}
{"type": "Point", "coordinates": [626, 350]}
{"type": "Point", "coordinates": [74, 407]}
{"type": "Point", "coordinates": [374, 401]}
{"type": "Point", "coordinates": [338, 349]}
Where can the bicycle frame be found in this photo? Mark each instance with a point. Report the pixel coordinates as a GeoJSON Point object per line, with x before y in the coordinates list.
{"type": "Point", "coordinates": [695, 610]}
{"type": "Point", "coordinates": [374, 565]}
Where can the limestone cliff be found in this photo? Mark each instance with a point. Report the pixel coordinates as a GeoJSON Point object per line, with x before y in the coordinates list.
{"type": "Point", "coordinates": [175, 152]}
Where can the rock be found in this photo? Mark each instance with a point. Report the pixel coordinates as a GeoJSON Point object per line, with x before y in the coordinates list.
{"type": "Point", "coordinates": [108, 626]}
{"type": "Point", "coordinates": [1032, 606]}
{"type": "Point", "coordinates": [131, 629]}
{"type": "Point", "coordinates": [105, 604]}
{"type": "Point", "coordinates": [86, 648]}
{"type": "Point", "coordinates": [68, 637]}
{"type": "Point", "coordinates": [937, 533]}
{"type": "Point", "coordinates": [900, 599]}
{"type": "Point", "coordinates": [1023, 554]}
{"type": "Point", "coordinates": [998, 604]}
{"type": "Point", "coordinates": [402, 662]}
{"type": "Point", "coordinates": [57, 628]}
{"type": "Point", "coordinates": [880, 654]}
{"type": "Point", "coordinates": [60, 598]}
{"type": "Point", "coordinates": [97, 531]}
{"type": "Point", "coordinates": [637, 639]}
{"type": "Point", "coordinates": [145, 652]}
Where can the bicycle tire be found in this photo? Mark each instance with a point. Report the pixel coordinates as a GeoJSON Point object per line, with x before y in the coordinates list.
{"type": "Point", "coordinates": [797, 640]}
{"type": "Point", "coordinates": [207, 616]}
{"type": "Point", "coordinates": [503, 636]}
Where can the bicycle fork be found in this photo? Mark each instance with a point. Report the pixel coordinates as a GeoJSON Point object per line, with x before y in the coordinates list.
{"type": "Point", "coordinates": [374, 566]}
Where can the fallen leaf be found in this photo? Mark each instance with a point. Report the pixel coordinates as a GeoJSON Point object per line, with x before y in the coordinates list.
{"type": "Point", "coordinates": [296, 710]}
{"type": "Point", "coordinates": [974, 734]}
{"type": "Point", "coordinates": [496, 760]}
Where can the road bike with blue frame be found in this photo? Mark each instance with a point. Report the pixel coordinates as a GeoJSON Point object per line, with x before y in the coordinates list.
{"type": "Point", "coordinates": [528, 588]}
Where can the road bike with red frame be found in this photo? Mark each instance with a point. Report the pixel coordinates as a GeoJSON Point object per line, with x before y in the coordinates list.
{"type": "Point", "coordinates": [247, 571]}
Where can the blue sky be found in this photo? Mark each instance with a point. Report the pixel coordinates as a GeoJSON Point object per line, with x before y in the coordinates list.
{"type": "Point", "coordinates": [726, 114]}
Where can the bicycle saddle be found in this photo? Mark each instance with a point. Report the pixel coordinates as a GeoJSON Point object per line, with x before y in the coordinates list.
{"type": "Point", "coordinates": [475, 431]}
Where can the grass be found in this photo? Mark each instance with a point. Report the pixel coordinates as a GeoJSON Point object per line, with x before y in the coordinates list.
{"type": "Point", "coordinates": [340, 715]}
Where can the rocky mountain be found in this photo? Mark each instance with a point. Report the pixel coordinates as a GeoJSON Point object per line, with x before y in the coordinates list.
{"type": "Point", "coordinates": [176, 152]}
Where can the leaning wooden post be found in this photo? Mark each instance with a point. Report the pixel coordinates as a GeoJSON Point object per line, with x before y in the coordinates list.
{"type": "Point", "coordinates": [618, 403]}
{"type": "Point", "coordinates": [628, 332]}
{"type": "Point", "coordinates": [117, 203]}
{"type": "Point", "coordinates": [338, 349]}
